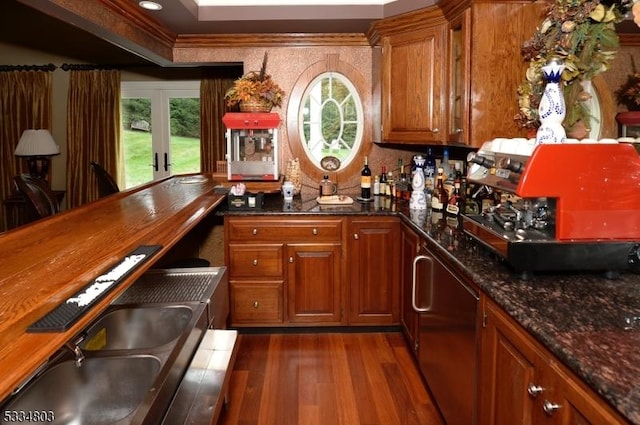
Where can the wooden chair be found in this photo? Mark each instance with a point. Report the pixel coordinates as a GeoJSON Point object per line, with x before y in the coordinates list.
{"type": "Point", "coordinates": [40, 200]}
{"type": "Point", "coordinates": [106, 184]}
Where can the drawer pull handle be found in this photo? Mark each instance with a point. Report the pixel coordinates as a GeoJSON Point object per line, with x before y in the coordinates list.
{"type": "Point", "coordinates": [255, 262]}
{"type": "Point", "coordinates": [291, 259]}
{"type": "Point", "coordinates": [534, 390]}
{"type": "Point", "coordinates": [355, 236]}
{"type": "Point", "coordinates": [550, 408]}
{"type": "Point", "coordinates": [314, 231]}
{"type": "Point", "coordinates": [254, 231]}
{"type": "Point", "coordinates": [256, 304]}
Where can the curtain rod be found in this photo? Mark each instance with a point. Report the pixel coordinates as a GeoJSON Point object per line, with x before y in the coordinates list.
{"type": "Point", "coordinates": [52, 67]}
{"type": "Point", "coordinates": [49, 67]}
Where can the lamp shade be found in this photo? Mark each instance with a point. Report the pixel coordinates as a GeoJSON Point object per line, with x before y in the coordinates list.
{"type": "Point", "coordinates": [36, 143]}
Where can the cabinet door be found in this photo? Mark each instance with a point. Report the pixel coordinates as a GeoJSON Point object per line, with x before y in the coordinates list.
{"type": "Point", "coordinates": [374, 270]}
{"type": "Point", "coordinates": [408, 317]}
{"type": "Point", "coordinates": [313, 283]}
{"type": "Point", "coordinates": [413, 85]}
{"type": "Point", "coordinates": [572, 403]}
{"type": "Point", "coordinates": [459, 78]}
{"type": "Point", "coordinates": [508, 367]}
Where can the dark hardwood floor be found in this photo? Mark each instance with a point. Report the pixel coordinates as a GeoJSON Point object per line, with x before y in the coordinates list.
{"type": "Point", "coordinates": [327, 379]}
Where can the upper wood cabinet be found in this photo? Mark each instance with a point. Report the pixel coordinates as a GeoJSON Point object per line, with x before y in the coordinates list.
{"type": "Point", "coordinates": [485, 66]}
{"type": "Point", "coordinates": [413, 77]}
{"type": "Point", "coordinates": [450, 73]}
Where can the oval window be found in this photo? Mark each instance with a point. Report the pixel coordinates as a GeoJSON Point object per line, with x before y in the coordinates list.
{"type": "Point", "coordinates": [331, 120]}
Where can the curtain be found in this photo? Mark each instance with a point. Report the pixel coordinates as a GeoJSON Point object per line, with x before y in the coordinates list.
{"type": "Point", "coordinates": [25, 102]}
{"type": "Point", "coordinates": [212, 130]}
{"type": "Point", "coordinates": [93, 131]}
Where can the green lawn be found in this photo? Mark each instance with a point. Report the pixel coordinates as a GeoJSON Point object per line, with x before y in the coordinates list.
{"type": "Point", "coordinates": [138, 154]}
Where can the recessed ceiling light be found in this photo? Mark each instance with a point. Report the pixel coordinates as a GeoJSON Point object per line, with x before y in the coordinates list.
{"type": "Point", "coordinates": [150, 5]}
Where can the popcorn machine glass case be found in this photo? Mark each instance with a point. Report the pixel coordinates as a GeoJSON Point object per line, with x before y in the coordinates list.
{"type": "Point", "coordinates": [252, 146]}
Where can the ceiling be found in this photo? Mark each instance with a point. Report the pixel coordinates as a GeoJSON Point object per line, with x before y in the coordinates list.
{"type": "Point", "coordinates": [288, 16]}
{"type": "Point", "coordinates": [48, 34]}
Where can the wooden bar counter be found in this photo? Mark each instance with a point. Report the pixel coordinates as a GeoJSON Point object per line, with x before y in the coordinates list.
{"type": "Point", "coordinates": [44, 263]}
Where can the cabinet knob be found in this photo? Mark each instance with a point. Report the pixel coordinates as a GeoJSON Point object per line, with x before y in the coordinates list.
{"type": "Point", "coordinates": [534, 390]}
{"type": "Point", "coordinates": [314, 231]}
{"type": "Point", "coordinates": [355, 236]}
{"type": "Point", "coordinates": [435, 130]}
{"type": "Point", "coordinates": [459, 131]}
{"type": "Point", "coordinates": [291, 259]}
{"type": "Point", "coordinates": [550, 408]}
{"type": "Point", "coordinates": [254, 231]}
{"type": "Point", "coordinates": [256, 304]}
{"type": "Point", "coordinates": [255, 262]}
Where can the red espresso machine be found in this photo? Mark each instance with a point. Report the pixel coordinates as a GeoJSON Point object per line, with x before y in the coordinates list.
{"type": "Point", "coordinates": [574, 206]}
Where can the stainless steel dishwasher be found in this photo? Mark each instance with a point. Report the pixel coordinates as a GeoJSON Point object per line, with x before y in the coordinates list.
{"type": "Point", "coordinates": [447, 331]}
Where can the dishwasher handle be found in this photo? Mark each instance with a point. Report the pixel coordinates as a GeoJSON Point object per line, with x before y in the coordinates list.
{"type": "Point", "coordinates": [414, 283]}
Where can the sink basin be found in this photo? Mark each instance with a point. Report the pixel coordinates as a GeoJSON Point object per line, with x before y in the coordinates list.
{"type": "Point", "coordinates": [105, 390]}
{"type": "Point", "coordinates": [137, 327]}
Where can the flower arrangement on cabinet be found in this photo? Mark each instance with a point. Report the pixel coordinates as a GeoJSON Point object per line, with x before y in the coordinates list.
{"type": "Point", "coordinates": [258, 86]}
{"type": "Point", "coordinates": [581, 34]}
{"type": "Point", "coordinates": [629, 93]}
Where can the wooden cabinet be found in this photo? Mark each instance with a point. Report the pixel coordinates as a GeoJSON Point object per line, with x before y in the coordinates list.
{"type": "Point", "coordinates": [284, 270]}
{"type": "Point", "coordinates": [522, 383]}
{"type": "Point", "coordinates": [485, 66]}
{"type": "Point", "coordinates": [413, 77]}
{"type": "Point", "coordinates": [373, 264]}
{"type": "Point", "coordinates": [314, 283]}
{"type": "Point", "coordinates": [409, 248]}
{"type": "Point", "coordinates": [458, 78]}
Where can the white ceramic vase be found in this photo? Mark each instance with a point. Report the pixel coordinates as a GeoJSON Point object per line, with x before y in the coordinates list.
{"type": "Point", "coordinates": [552, 108]}
{"type": "Point", "coordinates": [418, 200]}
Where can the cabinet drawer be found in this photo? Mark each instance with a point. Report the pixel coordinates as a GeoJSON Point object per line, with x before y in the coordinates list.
{"type": "Point", "coordinates": [255, 261]}
{"type": "Point", "coordinates": [256, 303]}
{"type": "Point", "coordinates": [285, 230]}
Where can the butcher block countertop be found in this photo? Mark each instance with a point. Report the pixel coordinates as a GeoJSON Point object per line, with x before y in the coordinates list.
{"type": "Point", "coordinates": [46, 262]}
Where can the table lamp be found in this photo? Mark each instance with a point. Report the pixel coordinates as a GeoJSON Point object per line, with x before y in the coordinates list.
{"type": "Point", "coordinates": [37, 146]}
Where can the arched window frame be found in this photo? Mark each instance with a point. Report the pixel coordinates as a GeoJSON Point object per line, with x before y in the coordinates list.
{"type": "Point", "coordinates": [296, 101]}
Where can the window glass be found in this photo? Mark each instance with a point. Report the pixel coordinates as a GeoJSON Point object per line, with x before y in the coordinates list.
{"type": "Point", "coordinates": [331, 119]}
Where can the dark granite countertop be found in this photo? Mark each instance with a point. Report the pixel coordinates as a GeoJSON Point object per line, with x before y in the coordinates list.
{"type": "Point", "coordinates": [579, 317]}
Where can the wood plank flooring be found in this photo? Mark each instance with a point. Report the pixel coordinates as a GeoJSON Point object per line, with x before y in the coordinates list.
{"type": "Point", "coordinates": [327, 379]}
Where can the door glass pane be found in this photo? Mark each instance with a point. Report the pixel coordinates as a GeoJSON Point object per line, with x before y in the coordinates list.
{"type": "Point", "coordinates": [185, 135]}
{"type": "Point", "coordinates": [137, 143]}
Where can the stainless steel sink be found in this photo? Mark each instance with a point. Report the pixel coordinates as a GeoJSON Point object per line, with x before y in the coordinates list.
{"type": "Point", "coordinates": [139, 327]}
{"type": "Point", "coordinates": [105, 390]}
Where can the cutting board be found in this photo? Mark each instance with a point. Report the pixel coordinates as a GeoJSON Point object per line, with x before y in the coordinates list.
{"type": "Point", "coordinates": [334, 200]}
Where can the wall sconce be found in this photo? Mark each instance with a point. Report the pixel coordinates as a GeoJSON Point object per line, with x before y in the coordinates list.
{"type": "Point", "coordinates": [37, 146]}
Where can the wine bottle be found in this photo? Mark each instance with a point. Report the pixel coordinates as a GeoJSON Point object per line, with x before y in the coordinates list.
{"type": "Point", "coordinates": [429, 172]}
{"type": "Point", "coordinates": [365, 180]}
{"type": "Point", "coordinates": [383, 181]}
{"type": "Point", "coordinates": [439, 197]}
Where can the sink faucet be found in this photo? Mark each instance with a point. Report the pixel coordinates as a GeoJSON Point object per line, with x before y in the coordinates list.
{"type": "Point", "coordinates": [74, 347]}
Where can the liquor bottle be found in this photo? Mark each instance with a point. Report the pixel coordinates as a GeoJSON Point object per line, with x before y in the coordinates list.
{"type": "Point", "coordinates": [365, 181]}
{"type": "Point", "coordinates": [391, 185]}
{"type": "Point", "coordinates": [439, 197]}
{"type": "Point", "coordinates": [403, 187]}
{"type": "Point", "coordinates": [429, 172]}
{"type": "Point", "coordinates": [446, 165]}
{"type": "Point", "coordinates": [376, 185]}
{"type": "Point", "coordinates": [383, 181]}
{"type": "Point", "coordinates": [453, 206]}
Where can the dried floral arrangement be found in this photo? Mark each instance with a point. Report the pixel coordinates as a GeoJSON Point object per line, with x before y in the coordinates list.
{"type": "Point", "coordinates": [629, 93]}
{"type": "Point", "coordinates": [253, 85]}
{"type": "Point", "coordinates": [581, 34]}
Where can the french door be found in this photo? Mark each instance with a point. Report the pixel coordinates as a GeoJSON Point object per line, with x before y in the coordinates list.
{"type": "Point", "coordinates": [161, 130]}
